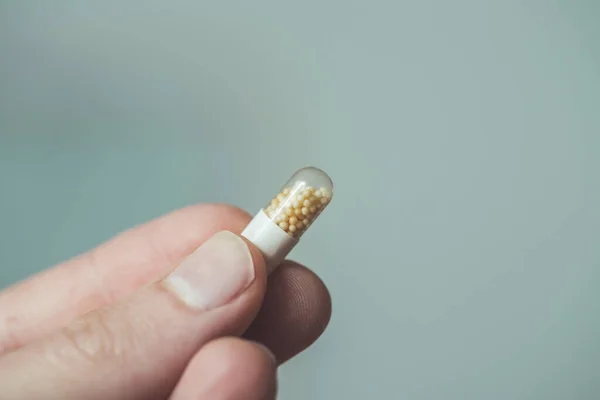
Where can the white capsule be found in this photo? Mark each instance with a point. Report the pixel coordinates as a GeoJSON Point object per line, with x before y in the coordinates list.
{"type": "Point", "coordinates": [269, 232]}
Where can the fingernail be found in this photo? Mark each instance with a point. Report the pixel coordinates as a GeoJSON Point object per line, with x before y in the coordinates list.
{"type": "Point", "coordinates": [268, 352]}
{"type": "Point", "coordinates": [214, 274]}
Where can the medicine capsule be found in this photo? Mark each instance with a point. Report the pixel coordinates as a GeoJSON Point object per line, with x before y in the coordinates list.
{"type": "Point", "coordinates": [275, 229]}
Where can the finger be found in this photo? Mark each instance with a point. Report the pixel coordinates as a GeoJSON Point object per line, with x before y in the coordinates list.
{"type": "Point", "coordinates": [107, 274]}
{"type": "Point", "coordinates": [295, 311]}
{"type": "Point", "coordinates": [139, 348]}
{"type": "Point", "coordinates": [229, 369]}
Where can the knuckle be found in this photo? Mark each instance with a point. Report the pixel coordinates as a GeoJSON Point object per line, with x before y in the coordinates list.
{"type": "Point", "coordinates": [95, 338]}
{"type": "Point", "coordinates": [9, 339]}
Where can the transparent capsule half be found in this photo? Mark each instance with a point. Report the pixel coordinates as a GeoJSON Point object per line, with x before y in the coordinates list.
{"type": "Point", "coordinates": [276, 228]}
{"type": "Point", "coordinates": [300, 201]}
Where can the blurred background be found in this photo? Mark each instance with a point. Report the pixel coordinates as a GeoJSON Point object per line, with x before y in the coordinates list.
{"type": "Point", "coordinates": [461, 249]}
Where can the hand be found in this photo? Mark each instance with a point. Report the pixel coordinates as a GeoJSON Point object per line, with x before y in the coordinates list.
{"type": "Point", "coordinates": [107, 325]}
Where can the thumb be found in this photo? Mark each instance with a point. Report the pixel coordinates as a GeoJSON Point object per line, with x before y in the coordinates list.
{"type": "Point", "coordinates": [139, 348]}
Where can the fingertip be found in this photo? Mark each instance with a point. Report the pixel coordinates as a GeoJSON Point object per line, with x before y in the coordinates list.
{"type": "Point", "coordinates": [295, 312]}
{"type": "Point", "coordinates": [219, 213]}
{"type": "Point", "coordinates": [229, 368]}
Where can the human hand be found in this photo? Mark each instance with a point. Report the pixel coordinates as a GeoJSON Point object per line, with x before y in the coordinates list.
{"type": "Point", "coordinates": [107, 325]}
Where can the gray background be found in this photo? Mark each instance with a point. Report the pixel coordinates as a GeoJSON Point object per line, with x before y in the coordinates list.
{"type": "Point", "coordinates": [463, 137]}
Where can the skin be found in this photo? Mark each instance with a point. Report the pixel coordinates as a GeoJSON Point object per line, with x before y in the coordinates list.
{"type": "Point", "coordinates": [99, 326]}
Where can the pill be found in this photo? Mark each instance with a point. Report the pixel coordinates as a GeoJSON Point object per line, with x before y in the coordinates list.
{"type": "Point", "coordinates": [276, 229]}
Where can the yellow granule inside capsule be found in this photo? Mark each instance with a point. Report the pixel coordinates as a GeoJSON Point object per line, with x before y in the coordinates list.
{"type": "Point", "coordinates": [294, 210]}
